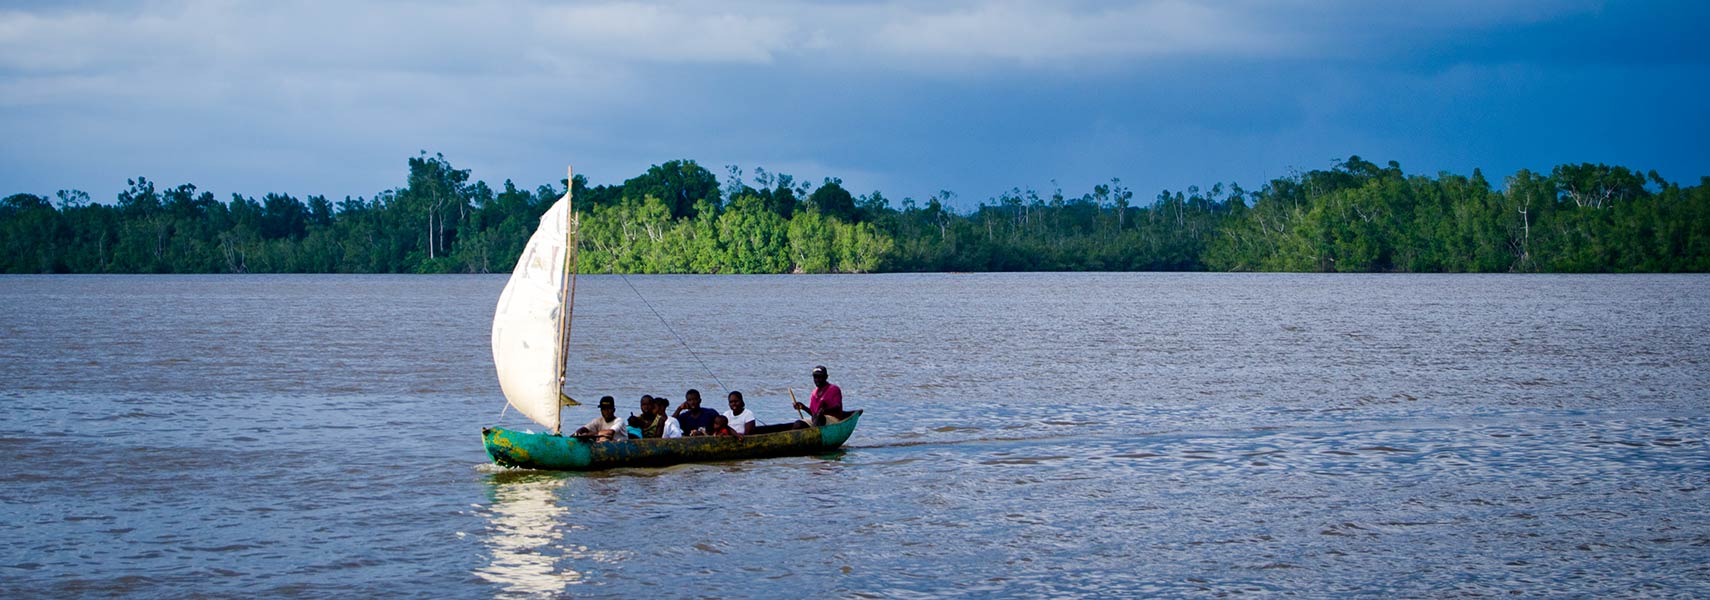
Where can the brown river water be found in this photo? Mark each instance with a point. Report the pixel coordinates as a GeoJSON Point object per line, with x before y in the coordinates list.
{"type": "Point", "coordinates": [1026, 435]}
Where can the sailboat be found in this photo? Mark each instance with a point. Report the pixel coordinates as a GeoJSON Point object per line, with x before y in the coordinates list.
{"type": "Point", "coordinates": [531, 340]}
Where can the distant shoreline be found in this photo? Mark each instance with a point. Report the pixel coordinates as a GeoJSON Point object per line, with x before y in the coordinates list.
{"type": "Point", "coordinates": [677, 218]}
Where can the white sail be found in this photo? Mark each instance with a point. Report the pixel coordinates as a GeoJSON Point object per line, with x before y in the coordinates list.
{"type": "Point", "coordinates": [528, 325]}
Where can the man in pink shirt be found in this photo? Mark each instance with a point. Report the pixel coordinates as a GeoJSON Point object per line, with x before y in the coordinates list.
{"type": "Point", "coordinates": [826, 404]}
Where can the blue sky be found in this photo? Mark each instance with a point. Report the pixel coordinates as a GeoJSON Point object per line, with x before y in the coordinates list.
{"type": "Point", "coordinates": [904, 97]}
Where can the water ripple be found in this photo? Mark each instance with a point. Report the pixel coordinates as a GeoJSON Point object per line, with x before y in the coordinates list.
{"type": "Point", "coordinates": [1029, 435]}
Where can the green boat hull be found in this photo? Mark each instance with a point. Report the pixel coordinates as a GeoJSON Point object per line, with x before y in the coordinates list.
{"type": "Point", "coordinates": [547, 451]}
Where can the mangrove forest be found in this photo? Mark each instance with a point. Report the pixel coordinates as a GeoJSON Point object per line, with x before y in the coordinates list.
{"type": "Point", "coordinates": [679, 217]}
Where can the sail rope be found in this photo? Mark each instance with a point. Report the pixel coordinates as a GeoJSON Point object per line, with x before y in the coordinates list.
{"type": "Point", "coordinates": [611, 267]}
{"type": "Point", "coordinates": [674, 333]}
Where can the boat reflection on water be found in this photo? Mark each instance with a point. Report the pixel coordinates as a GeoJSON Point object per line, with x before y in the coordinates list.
{"type": "Point", "coordinates": [525, 534]}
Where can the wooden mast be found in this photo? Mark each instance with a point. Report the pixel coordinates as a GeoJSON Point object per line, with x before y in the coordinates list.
{"type": "Point", "coordinates": [567, 294]}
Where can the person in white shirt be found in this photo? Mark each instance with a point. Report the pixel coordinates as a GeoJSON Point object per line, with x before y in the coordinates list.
{"type": "Point", "coordinates": [741, 419]}
{"type": "Point", "coordinates": [662, 407]}
{"type": "Point", "coordinates": [607, 426]}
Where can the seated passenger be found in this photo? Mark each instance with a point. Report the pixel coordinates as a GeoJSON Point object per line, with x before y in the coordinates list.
{"type": "Point", "coordinates": [607, 426]}
{"type": "Point", "coordinates": [668, 427]}
{"type": "Point", "coordinates": [740, 418]}
{"type": "Point", "coordinates": [721, 426]}
{"type": "Point", "coordinates": [638, 423]}
{"type": "Point", "coordinates": [694, 419]}
{"type": "Point", "coordinates": [655, 426]}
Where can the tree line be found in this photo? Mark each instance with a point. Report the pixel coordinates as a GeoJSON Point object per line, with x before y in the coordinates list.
{"type": "Point", "coordinates": [678, 217]}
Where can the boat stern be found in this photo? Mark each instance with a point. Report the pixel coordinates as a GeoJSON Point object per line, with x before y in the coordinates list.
{"type": "Point", "coordinates": [832, 436]}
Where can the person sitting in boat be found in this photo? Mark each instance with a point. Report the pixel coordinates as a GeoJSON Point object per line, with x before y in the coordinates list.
{"type": "Point", "coordinates": [694, 419]}
{"type": "Point", "coordinates": [668, 427]}
{"type": "Point", "coordinates": [826, 403]}
{"type": "Point", "coordinates": [744, 422]}
{"type": "Point", "coordinates": [739, 417]}
{"type": "Point", "coordinates": [607, 426]}
{"type": "Point", "coordinates": [654, 411]}
{"type": "Point", "coordinates": [638, 424]}
{"type": "Point", "coordinates": [721, 426]}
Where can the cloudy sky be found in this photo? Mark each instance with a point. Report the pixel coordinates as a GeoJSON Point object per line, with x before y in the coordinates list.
{"type": "Point", "coordinates": [905, 97]}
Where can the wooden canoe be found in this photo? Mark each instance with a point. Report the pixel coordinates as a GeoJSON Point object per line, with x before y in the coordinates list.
{"type": "Point", "coordinates": [547, 451]}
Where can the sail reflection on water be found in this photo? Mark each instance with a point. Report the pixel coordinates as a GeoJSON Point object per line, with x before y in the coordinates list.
{"type": "Point", "coordinates": [525, 536]}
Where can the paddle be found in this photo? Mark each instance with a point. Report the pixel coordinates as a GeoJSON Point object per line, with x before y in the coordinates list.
{"type": "Point", "coordinates": [794, 402]}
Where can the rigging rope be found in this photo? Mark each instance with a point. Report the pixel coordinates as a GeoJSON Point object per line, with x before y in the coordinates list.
{"type": "Point", "coordinates": [611, 267]}
{"type": "Point", "coordinates": [673, 332]}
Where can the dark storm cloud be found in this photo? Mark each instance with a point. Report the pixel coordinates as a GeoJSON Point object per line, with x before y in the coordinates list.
{"type": "Point", "coordinates": [976, 97]}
